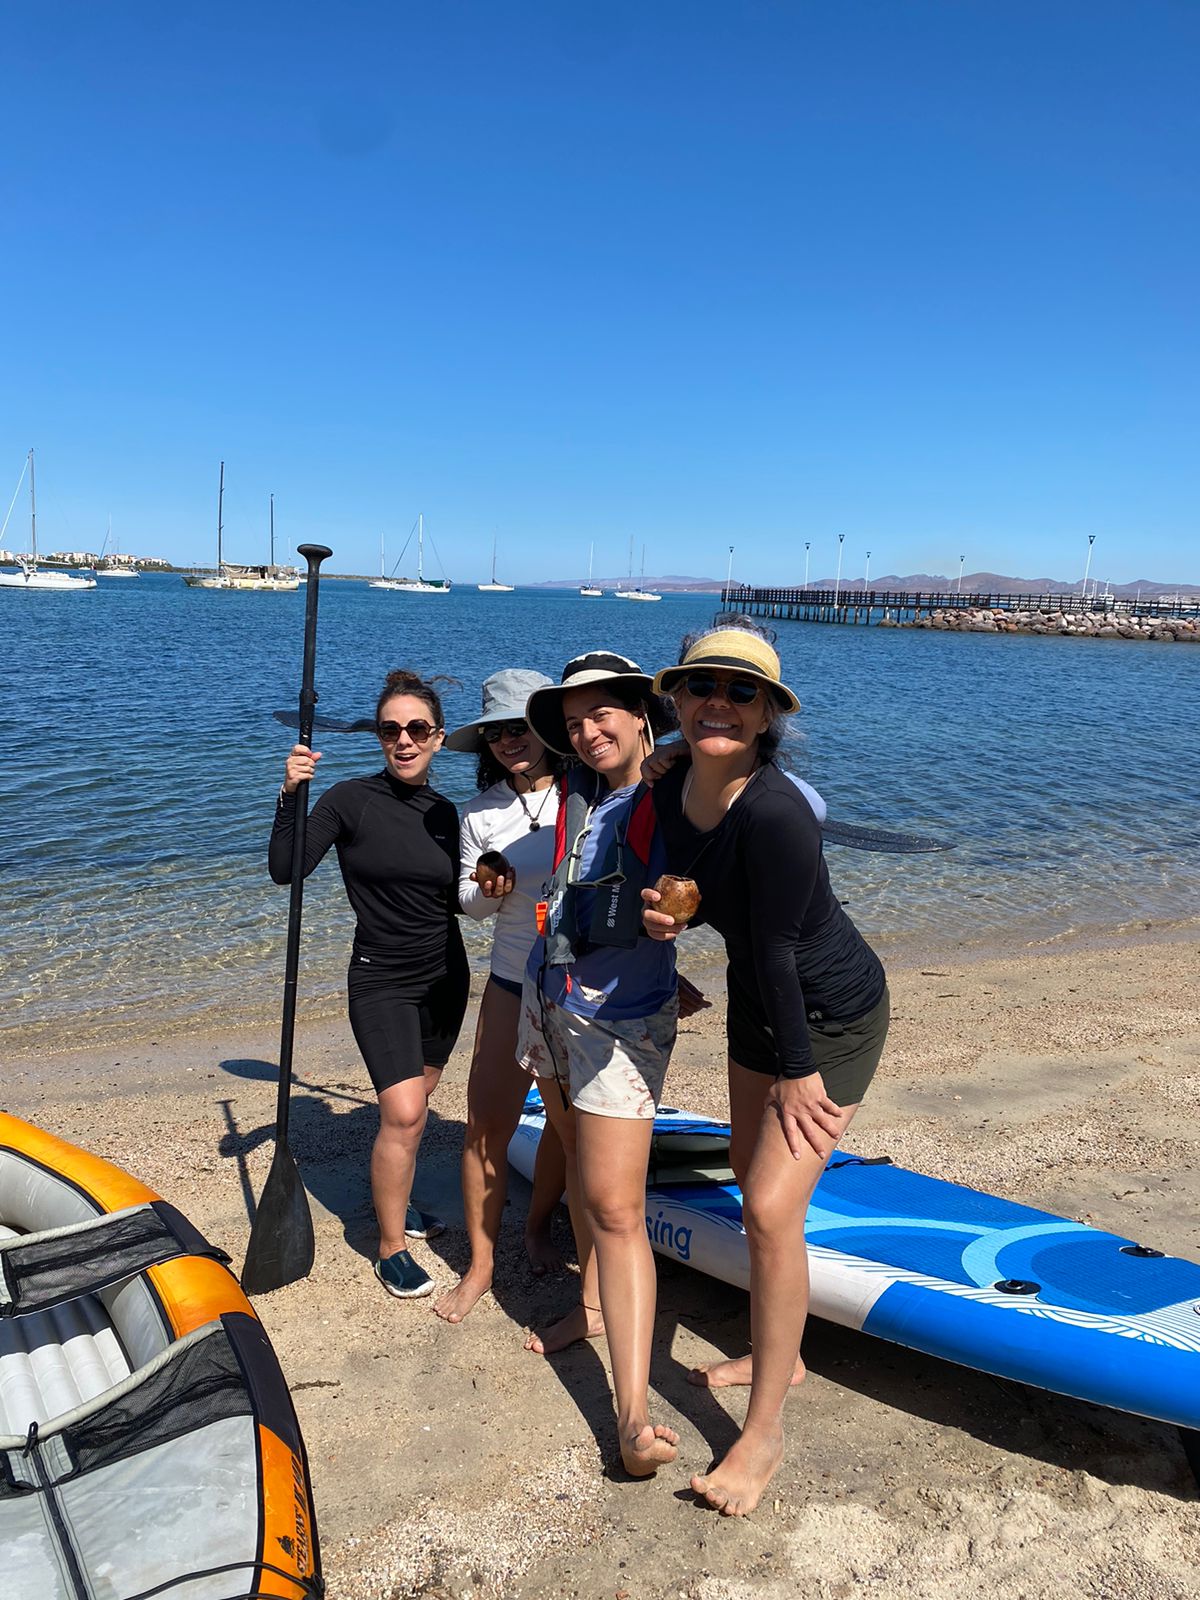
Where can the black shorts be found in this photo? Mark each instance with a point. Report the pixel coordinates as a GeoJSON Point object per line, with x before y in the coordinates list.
{"type": "Point", "coordinates": [846, 1053]}
{"type": "Point", "coordinates": [401, 1027]}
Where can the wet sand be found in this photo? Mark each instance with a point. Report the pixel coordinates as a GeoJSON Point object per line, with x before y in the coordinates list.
{"type": "Point", "coordinates": [448, 1461]}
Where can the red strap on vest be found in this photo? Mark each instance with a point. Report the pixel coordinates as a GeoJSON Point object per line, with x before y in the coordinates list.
{"type": "Point", "coordinates": [560, 825]}
{"type": "Point", "coordinates": [641, 828]}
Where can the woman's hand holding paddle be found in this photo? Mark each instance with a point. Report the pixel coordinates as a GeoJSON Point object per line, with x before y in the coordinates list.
{"type": "Point", "coordinates": [301, 765]}
{"type": "Point", "coordinates": [810, 1119]}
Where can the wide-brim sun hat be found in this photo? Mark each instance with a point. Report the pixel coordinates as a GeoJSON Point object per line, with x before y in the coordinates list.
{"type": "Point", "coordinates": [543, 710]}
{"type": "Point", "coordinates": [503, 700]}
{"type": "Point", "coordinates": [730, 650]}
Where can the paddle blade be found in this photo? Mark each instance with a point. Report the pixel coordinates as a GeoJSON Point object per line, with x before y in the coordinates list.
{"type": "Point", "coordinates": [282, 1245]}
{"type": "Point", "coordinates": [291, 719]}
{"type": "Point", "coordinates": [881, 839]}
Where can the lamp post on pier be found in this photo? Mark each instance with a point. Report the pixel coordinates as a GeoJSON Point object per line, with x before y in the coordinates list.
{"type": "Point", "coordinates": [1088, 568]}
{"type": "Point", "coordinates": [729, 576]}
{"type": "Point", "coordinates": [837, 582]}
{"type": "Point", "coordinates": [961, 559]}
{"type": "Point", "coordinates": [807, 547]}
{"type": "Point", "coordinates": [867, 572]}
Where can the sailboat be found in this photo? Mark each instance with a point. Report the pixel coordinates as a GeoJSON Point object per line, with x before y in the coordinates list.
{"type": "Point", "coordinates": [232, 575]}
{"type": "Point", "coordinates": [641, 592]}
{"type": "Point", "coordinates": [420, 584]}
{"type": "Point", "coordinates": [588, 590]}
{"type": "Point", "coordinates": [29, 575]}
{"type": "Point", "coordinates": [111, 565]}
{"type": "Point", "coordinates": [382, 581]}
{"type": "Point", "coordinates": [493, 587]}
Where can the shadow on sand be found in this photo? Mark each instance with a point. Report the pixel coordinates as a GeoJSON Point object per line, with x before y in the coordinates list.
{"type": "Point", "coordinates": [332, 1148]}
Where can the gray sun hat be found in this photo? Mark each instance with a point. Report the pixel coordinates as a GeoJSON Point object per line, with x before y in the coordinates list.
{"type": "Point", "coordinates": [544, 712]}
{"type": "Point", "coordinates": [504, 697]}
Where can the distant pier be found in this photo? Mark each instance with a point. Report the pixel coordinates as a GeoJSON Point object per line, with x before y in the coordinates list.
{"type": "Point", "coordinates": [1022, 612]}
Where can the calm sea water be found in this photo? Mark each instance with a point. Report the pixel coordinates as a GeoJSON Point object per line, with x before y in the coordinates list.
{"type": "Point", "coordinates": [139, 763]}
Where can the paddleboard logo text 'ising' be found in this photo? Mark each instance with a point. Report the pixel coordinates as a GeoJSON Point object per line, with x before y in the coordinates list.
{"type": "Point", "coordinates": [669, 1237]}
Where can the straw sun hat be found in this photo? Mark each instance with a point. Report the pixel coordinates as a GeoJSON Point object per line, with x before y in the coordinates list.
{"type": "Point", "coordinates": [730, 650]}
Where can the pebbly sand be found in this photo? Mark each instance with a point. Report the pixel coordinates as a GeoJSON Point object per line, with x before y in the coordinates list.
{"type": "Point", "coordinates": [448, 1461]}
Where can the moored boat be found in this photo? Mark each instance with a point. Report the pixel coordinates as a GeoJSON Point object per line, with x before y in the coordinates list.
{"type": "Point", "coordinates": [147, 1437]}
{"type": "Point", "coordinates": [418, 585]}
{"type": "Point", "coordinates": [29, 575]}
{"type": "Point", "coordinates": [266, 578]}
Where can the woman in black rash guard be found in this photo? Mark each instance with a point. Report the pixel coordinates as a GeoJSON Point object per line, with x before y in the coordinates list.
{"type": "Point", "coordinates": [397, 844]}
{"type": "Point", "coordinates": [807, 1001]}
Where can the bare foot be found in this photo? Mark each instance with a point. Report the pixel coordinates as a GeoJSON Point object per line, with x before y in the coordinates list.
{"type": "Point", "coordinates": [725, 1374]}
{"type": "Point", "coordinates": [581, 1322]}
{"type": "Point", "coordinates": [454, 1305]}
{"type": "Point", "coordinates": [649, 1448]}
{"type": "Point", "coordinates": [544, 1255]}
{"type": "Point", "coordinates": [735, 1486]}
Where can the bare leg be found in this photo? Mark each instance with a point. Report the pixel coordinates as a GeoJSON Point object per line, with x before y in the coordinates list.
{"type": "Point", "coordinates": [402, 1112]}
{"type": "Point", "coordinates": [612, 1157]}
{"type": "Point", "coordinates": [496, 1091]}
{"type": "Point", "coordinates": [584, 1321]}
{"type": "Point", "coordinates": [549, 1183]}
{"type": "Point", "coordinates": [777, 1191]}
{"type": "Point", "coordinates": [747, 1097]}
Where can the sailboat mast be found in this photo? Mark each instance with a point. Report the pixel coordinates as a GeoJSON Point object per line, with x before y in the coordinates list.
{"type": "Point", "coordinates": [220, 509]}
{"type": "Point", "coordinates": [420, 546]}
{"type": "Point", "coordinates": [32, 509]}
{"type": "Point", "coordinates": [493, 558]}
{"type": "Point", "coordinates": [272, 530]}
{"type": "Point", "coordinates": [381, 572]}
{"type": "Point", "coordinates": [591, 553]}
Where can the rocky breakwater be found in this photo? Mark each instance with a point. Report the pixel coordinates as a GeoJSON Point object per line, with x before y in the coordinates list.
{"type": "Point", "coordinates": [1085, 625]}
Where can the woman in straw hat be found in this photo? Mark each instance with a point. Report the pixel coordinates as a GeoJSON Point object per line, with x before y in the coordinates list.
{"type": "Point", "coordinates": [598, 1019]}
{"type": "Point", "coordinates": [507, 858]}
{"type": "Point", "coordinates": [807, 1000]}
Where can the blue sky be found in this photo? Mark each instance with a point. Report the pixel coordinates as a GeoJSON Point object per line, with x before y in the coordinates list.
{"type": "Point", "coordinates": [699, 274]}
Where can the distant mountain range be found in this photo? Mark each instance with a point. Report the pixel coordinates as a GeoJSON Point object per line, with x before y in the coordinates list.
{"type": "Point", "coordinates": [913, 583]}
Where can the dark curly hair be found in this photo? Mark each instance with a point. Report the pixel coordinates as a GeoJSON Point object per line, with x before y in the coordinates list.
{"type": "Point", "coordinates": [402, 681]}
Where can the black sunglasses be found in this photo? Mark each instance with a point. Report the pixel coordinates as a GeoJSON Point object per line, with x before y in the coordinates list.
{"type": "Point", "coordinates": [418, 731]}
{"type": "Point", "coordinates": [495, 731]}
{"type": "Point", "coordinates": [738, 691]}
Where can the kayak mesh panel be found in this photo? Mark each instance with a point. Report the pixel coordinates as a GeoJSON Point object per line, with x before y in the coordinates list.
{"type": "Point", "coordinates": [203, 1384]}
{"type": "Point", "coordinates": [46, 1271]}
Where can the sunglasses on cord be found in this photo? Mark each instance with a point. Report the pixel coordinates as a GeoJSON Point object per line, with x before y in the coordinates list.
{"type": "Point", "coordinates": [493, 732]}
{"type": "Point", "coordinates": [419, 731]}
{"type": "Point", "coordinates": [738, 691]}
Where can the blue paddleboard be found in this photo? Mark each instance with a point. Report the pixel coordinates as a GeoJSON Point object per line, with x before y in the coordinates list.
{"type": "Point", "coordinates": [982, 1281]}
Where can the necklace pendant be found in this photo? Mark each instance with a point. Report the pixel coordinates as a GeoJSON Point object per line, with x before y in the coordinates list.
{"type": "Point", "coordinates": [534, 826]}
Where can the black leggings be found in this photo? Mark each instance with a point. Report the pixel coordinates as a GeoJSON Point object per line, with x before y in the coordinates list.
{"type": "Point", "coordinates": [401, 1027]}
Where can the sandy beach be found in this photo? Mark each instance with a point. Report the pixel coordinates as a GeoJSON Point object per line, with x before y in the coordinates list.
{"type": "Point", "coordinates": [448, 1461]}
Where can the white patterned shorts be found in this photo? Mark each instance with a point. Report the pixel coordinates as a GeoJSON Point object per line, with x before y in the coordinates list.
{"type": "Point", "coordinates": [612, 1069]}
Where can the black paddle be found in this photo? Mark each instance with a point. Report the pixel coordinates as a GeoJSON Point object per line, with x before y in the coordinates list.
{"type": "Point", "coordinates": [282, 1245]}
{"type": "Point", "coordinates": [291, 719]}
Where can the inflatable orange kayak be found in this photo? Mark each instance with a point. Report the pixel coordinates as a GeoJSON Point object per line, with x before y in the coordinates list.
{"type": "Point", "coordinates": [148, 1443]}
